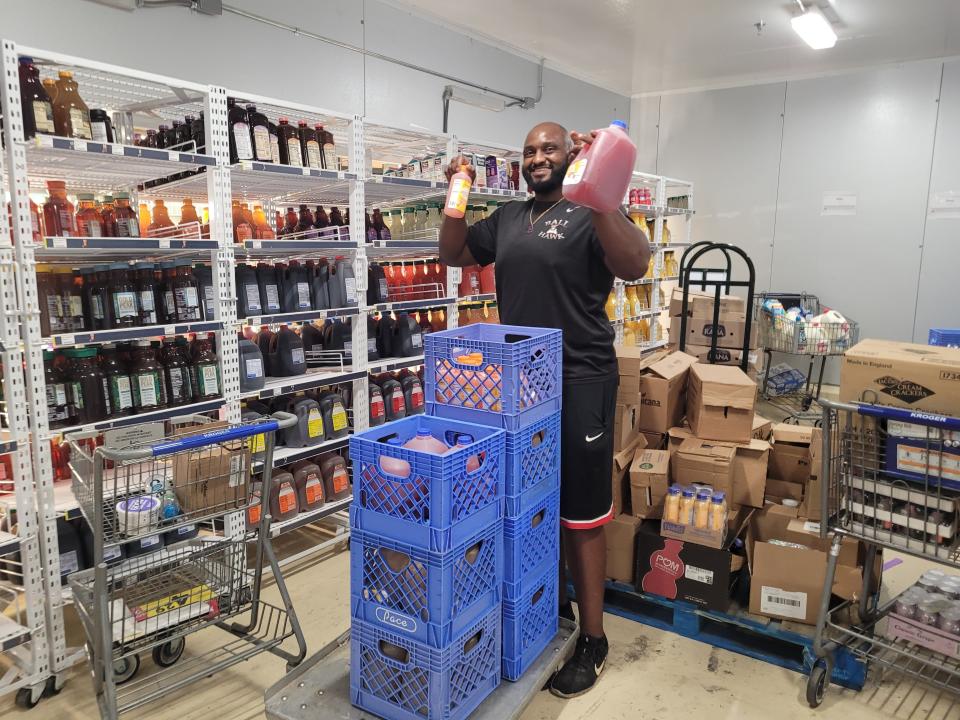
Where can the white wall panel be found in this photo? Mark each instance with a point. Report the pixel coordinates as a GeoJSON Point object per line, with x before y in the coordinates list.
{"type": "Point", "coordinates": [645, 130]}
{"type": "Point", "coordinates": [868, 133]}
{"type": "Point", "coordinates": [939, 290]}
{"type": "Point", "coordinates": [727, 143]}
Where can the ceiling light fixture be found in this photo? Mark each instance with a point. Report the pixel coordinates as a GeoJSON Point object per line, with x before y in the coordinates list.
{"type": "Point", "coordinates": [814, 28]}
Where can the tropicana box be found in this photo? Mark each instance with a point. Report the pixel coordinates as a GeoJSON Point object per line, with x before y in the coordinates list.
{"type": "Point", "coordinates": [788, 561]}
{"type": "Point", "coordinates": [658, 381]}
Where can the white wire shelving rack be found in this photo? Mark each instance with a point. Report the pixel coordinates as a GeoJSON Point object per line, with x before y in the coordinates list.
{"type": "Point", "coordinates": [670, 208]}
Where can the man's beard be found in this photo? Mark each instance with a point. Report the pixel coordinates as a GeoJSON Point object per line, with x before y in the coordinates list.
{"type": "Point", "coordinates": [551, 183]}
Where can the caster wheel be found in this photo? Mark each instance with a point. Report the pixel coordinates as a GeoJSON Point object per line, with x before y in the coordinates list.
{"type": "Point", "coordinates": [26, 699]}
{"type": "Point", "coordinates": [817, 684]}
{"type": "Point", "coordinates": [53, 686]}
{"type": "Point", "coordinates": [125, 668]}
{"type": "Point", "coordinates": [167, 654]}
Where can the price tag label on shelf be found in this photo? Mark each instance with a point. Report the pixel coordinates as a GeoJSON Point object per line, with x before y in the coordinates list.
{"type": "Point", "coordinates": [80, 145]}
{"type": "Point", "coordinates": [256, 245]}
{"type": "Point", "coordinates": [66, 340]}
{"type": "Point", "coordinates": [59, 242]}
{"type": "Point", "coordinates": [116, 149]}
{"type": "Point", "coordinates": [164, 243]}
{"type": "Point", "coordinates": [170, 330]}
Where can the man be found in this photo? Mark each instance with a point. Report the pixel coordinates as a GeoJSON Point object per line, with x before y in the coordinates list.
{"type": "Point", "coordinates": [555, 263]}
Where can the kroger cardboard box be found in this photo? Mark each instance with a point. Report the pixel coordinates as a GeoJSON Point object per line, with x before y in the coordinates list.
{"type": "Point", "coordinates": [661, 382]}
{"type": "Point", "coordinates": [787, 582]}
{"type": "Point", "coordinates": [621, 533]}
{"type": "Point", "coordinates": [720, 403]}
{"type": "Point", "coordinates": [905, 375]}
{"type": "Point", "coordinates": [649, 479]}
{"type": "Point", "coordinates": [749, 467]}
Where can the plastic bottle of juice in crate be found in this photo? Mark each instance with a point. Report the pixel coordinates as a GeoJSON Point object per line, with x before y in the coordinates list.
{"type": "Point", "coordinates": [425, 442]}
{"type": "Point", "coordinates": [464, 441]}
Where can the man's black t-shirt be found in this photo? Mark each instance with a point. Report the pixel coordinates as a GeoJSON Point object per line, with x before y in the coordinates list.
{"type": "Point", "coordinates": [552, 275]}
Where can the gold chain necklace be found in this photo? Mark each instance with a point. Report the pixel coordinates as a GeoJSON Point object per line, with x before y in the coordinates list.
{"type": "Point", "coordinates": [540, 216]}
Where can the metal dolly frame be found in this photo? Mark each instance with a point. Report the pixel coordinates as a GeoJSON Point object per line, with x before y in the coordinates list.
{"type": "Point", "coordinates": [855, 475]}
{"type": "Point", "coordinates": [153, 602]}
{"type": "Point", "coordinates": [320, 688]}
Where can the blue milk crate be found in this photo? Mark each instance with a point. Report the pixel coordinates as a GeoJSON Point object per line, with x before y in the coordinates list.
{"type": "Point", "coordinates": [529, 624]}
{"type": "Point", "coordinates": [498, 375]}
{"type": "Point", "coordinates": [431, 597]}
{"type": "Point", "coordinates": [436, 502]}
{"type": "Point", "coordinates": [533, 460]}
{"type": "Point", "coordinates": [395, 677]}
{"type": "Point", "coordinates": [944, 337]}
{"type": "Point", "coordinates": [532, 540]}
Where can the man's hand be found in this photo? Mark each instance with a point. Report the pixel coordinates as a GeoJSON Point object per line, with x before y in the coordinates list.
{"type": "Point", "coordinates": [454, 167]}
{"type": "Point", "coordinates": [581, 141]}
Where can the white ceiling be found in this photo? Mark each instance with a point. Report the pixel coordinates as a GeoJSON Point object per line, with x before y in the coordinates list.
{"type": "Point", "coordinates": [649, 46]}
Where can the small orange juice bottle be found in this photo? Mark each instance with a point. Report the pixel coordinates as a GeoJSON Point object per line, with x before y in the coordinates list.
{"type": "Point", "coordinates": [458, 193]}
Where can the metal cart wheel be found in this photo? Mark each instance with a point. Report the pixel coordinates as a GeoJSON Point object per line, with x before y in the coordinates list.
{"type": "Point", "coordinates": [125, 668]}
{"type": "Point", "coordinates": [167, 654]}
{"type": "Point", "coordinates": [818, 681]}
{"type": "Point", "coordinates": [28, 697]}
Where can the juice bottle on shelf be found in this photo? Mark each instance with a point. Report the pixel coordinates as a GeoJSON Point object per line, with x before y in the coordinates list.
{"type": "Point", "coordinates": [109, 216]}
{"type": "Point", "coordinates": [118, 380]}
{"type": "Point", "coordinates": [409, 220]}
{"type": "Point", "coordinates": [188, 213]}
{"type": "Point", "coordinates": [186, 294]}
{"type": "Point", "coordinates": [167, 309]}
{"type": "Point", "coordinates": [72, 300]}
{"type": "Point", "coordinates": [666, 237]}
{"type": "Point", "coordinates": [50, 85]}
{"type": "Point", "coordinates": [261, 228]}
{"type": "Point", "coordinates": [161, 220]}
{"type": "Point", "coordinates": [305, 222]}
{"type": "Point", "coordinates": [336, 478]}
{"type": "Point", "coordinates": [175, 135]}
{"type": "Point", "coordinates": [51, 301]}
{"type": "Point", "coordinates": [185, 134]}
{"type": "Point", "coordinates": [123, 297]}
{"type": "Point", "coordinates": [308, 479]}
{"type": "Point", "coordinates": [146, 284]}
{"type": "Point", "coordinates": [124, 222]}
{"type": "Point", "coordinates": [458, 193]}
{"type": "Point", "coordinates": [291, 220]}
{"type": "Point", "coordinates": [289, 143]}
{"type": "Point", "coordinates": [327, 148]}
{"type": "Point", "coordinates": [162, 138]}
{"type": "Point", "coordinates": [309, 145]}
{"type": "Point", "coordinates": [260, 134]}
{"type": "Point", "coordinates": [101, 307]}
{"type": "Point", "coordinates": [71, 118]}
{"type": "Point", "coordinates": [58, 390]}
{"type": "Point", "coordinates": [144, 214]}
{"type": "Point", "coordinates": [687, 500]}
{"type": "Point", "coordinates": [242, 230]}
{"type": "Point", "coordinates": [599, 176]}
{"type": "Point", "coordinates": [701, 510]}
{"type": "Point", "coordinates": [611, 308]}
{"type": "Point", "coordinates": [89, 220]}
{"type": "Point", "coordinates": [671, 505]}
{"type": "Point", "coordinates": [629, 337]}
{"type": "Point", "coordinates": [274, 144]}
{"type": "Point", "coordinates": [643, 330]}
{"type": "Point", "coordinates": [380, 226]}
{"type": "Point", "coordinates": [198, 133]}
{"type": "Point", "coordinates": [320, 219]}
{"type": "Point", "coordinates": [58, 214]}
{"type": "Point", "coordinates": [633, 302]}
{"type": "Point", "coordinates": [283, 496]}
{"type": "Point", "coordinates": [89, 391]}
{"type": "Point", "coordinates": [176, 373]}
{"type": "Point", "coordinates": [335, 217]}
{"type": "Point", "coordinates": [240, 146]}
{"type": "Point", "coordinates": [35, 103]}
{"type": "Point", "coordinates": [205, 371]}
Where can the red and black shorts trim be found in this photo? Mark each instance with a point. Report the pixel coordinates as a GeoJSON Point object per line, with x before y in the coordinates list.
{"type": "Point", "coordinates": [586, 454]}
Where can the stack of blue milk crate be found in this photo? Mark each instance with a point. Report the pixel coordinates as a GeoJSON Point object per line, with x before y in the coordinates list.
{"type": "Point", "coordinates": [511, 378]}
{"type": "Point", "coordinates": [944, 337]}
{"type": "Point", "coordinates": [426, 569]}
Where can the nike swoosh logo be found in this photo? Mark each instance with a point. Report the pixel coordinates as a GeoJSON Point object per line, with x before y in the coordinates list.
{"type": "Point", "coordinates": [571, 209]}
{"type": "Point", "coordinates": [591, 439]}
{"type": "Point", "coordinates": [599, 668]}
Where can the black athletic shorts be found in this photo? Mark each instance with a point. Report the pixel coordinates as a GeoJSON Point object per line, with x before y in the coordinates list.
{"type": "Point", "coordinates": [586, 454]}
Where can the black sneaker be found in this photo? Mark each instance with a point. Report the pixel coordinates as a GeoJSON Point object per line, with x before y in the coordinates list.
{"type": "Point", "coordinates": [581, 671]}
{"type": "Point", "coordinates": [566, 612]}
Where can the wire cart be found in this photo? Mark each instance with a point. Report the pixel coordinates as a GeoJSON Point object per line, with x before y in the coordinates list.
{"type": "Point", "coordinates": [150, 603]}
{"type": "Point", "coordinates": [815, 339]}
{"type": "Point", "coordinates": [890, 479]}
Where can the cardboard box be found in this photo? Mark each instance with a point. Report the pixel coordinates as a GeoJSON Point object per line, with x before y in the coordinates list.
{"type": "Point", "coordinates": [621, 467]}
{"type": "Point", "coordinates": [787, 582]}
{"type": "Point", "coordinates": [762, 427]}
{"type": "Point", "coordinates": [625, 427]}
{"type": "Point", "coordinates": [720, 403]}
{"type": "Point", "coordinates": [655, 440]}
{"type": "Point", "coordinates": [214, 477]}
{"type": "Point", "coordinates": [701, 303]}
{"type": "Point", "coordinates": [749, 467]}
{"type": "Point", "coordinates": [779, 490]}
{"type": "Point", "coordinates": [684, 570]}
{"type": "Point", "coordinates": [723, 356]}
{"type": "Point", "coordinates": [928, 636]}
{"type": "Point", "coordinates": [621, 534]}
{"type": "Point", "coordinates": [729, 330]}
{"type": "Point", "coordinates": [702, 462]}
{"type": "Point", "coordinates": [632, 359]}
{"type": "Point", "coordinates": [812, 506]}
{"type": "Point", "coordinates": [662, 382]}
{"type": "Point", "coordinates": [649, 479]}
{"type": "Point", "coordinates": [904, 375]}
{"type": "Point", "coordinates": [790, 458]}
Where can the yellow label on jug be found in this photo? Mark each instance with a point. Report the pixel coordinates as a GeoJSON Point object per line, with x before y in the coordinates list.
{"type": "Point", "coordinates": [339, 418]}
{"type": "Point", "coordinates": [314, 423]}
{"type": "Point", "coordinates": [575, 172]}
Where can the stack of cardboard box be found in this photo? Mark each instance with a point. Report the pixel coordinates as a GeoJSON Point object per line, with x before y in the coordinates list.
{"type": "Point", "coordinates": [729, 329]}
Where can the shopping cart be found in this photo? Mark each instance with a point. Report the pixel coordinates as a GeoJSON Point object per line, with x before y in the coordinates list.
{"type": "Point", "coordinates": [890, 478]}
{"type": "Point", "coordinates": [791, 390]}
{"type": "Point", "coordinates": [152, 602]}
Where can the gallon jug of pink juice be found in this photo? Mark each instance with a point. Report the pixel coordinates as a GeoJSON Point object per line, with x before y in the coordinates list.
{"type": "Point", "coordinates": [426, 442]}
{"type": "Point", "coordinates": [464, 441]}
{"type": "Point", "coordinates": [392, 465]}
{"type": "Point", "coordinates": [599, 176]}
